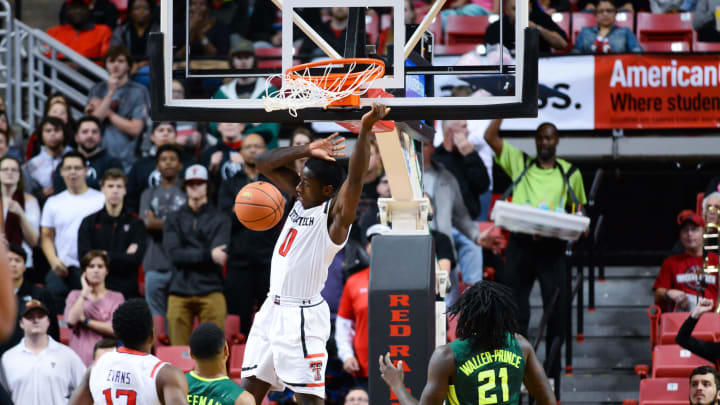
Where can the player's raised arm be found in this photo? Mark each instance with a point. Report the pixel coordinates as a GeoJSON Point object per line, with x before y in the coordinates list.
{"type": "Point", "coordinates": [345, 204]}
{"type": "Point", "coordinates": [535, 379]}
{"type": "Point", "coordinates": [440, 368]}
{"type": "Point", "coordinates": [275, 164]}
{"type": "Point", "coordinates": [82, 395]}
{"type": "Point", "coordinates": [172, 387]}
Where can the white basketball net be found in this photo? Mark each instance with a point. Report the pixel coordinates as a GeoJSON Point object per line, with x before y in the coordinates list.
{"type": "Point", "coordinates": [298, 91]}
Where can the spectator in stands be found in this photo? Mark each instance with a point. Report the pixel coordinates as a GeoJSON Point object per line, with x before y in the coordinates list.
{"type": "Point", "coordinates": [144, 173]}
{"type": "Point", "coordinates": [101, 12]}
{"type": "Point", "coordinates": [248, 271]}
{"type": "Point", "coordinates": [450, 211]}
{"type": "Point", "coordinates": [58, 107]}
{"type": "Point", "coordinates": [89, 39]}
{"type": "Point", "coordinates": [333, 32]}
{"type": "Point", "coordinates": [551, 35]}
{"type": "Point", "coordinates": [678, 285]}
{"type": "Point", "coordinates": [122, 105]}
{"type": "Point", "coordinates": [25, 292]}
{"type": "Point", "coordinates": [705, 20]}
{"type": "Point", "coordinates": [118, 232]}
{"type": "Point", "coordinates": [88, 139]}
{"type": "Point", "coordinates": [21, 211]}
{"type": "Point", "coordinates": [242, 56]}
{"type": "Point", "coordinates": [196, 238]}
{"type": "Point", "coordinates": [89, 311]}
{"type": "Point", "coordinates": [103, 346]}
{"type": "Point", "coordinates": [464, 7]}
{"type": "Point", "coordinates": [134, 34]}
{"type": "Point", "coordinates": [223, 159]}
{"type": "Point", "coordinates": [39, 170]}
{"type": "Point", "coordinates": [606, 37]}
{"type": "Point", "coordinates": [156, 203]}
{"type": "Point", "coordinates": [39, 370]}
{"type": "Point", "coordinates": [711, 208]}
{"type": "Point", "coordinates": [208, 37]}
{"type": "Point", "coordinates": [61, 218]}
{"type": "Point", "coordinates": [542, 181]}
{"type": "Point", "coordinates": [301, 136]}
{"type": "Point", "coordinates": [704, 386]}
{"type": "Point", "coordinates": [357, 395]}
{"type": "Point", "coordinates": [370, 216]}
{"type": "Point", "coordinates": [190, 135]}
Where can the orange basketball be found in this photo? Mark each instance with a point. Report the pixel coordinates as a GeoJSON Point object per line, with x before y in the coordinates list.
{"type": "Point", "coordinates": [259, 206]}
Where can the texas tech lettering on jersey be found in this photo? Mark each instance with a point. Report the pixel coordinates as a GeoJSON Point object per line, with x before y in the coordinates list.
{"type": "Point", "coordinates": [300, 220]}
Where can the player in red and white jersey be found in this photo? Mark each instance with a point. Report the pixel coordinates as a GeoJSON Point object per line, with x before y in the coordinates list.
{"type": "Point", "coordinates": [286, 344]}
{"type": "Point", "coordinates": [130, 375]}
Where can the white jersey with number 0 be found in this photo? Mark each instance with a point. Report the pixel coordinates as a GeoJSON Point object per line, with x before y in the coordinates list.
{"type": "Point", "coordinates": [303, 253]}
{"type": "Point", "coordinates": [125, 377]}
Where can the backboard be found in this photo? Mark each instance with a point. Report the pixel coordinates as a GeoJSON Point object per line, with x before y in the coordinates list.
{"type": "Point", "coordinates": [435, 59]}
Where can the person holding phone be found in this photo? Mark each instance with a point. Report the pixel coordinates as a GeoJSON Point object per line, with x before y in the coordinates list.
{"type": "Point", "coordinates": [88, 312]}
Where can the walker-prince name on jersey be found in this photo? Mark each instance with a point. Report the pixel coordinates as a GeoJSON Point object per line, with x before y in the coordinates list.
{"type": "Point", "coordinates": [300, 220]}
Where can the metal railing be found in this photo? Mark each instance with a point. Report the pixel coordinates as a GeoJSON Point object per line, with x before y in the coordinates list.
{"type": "Point", "coordinates": [6, 42]}
{"type": "Point", "coordinates": [37, 66]}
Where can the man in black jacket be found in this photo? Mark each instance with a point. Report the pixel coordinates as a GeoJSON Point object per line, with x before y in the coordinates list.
{"type": "Point", "coordinates": [195, 239]}
{"type": "Point", "coordinates": [117, 231]}
{"type": "Point", "coordinates": [248, 270]}
{"type": "Point", "coordinates": [25, 291]}
{"type": "Point", "coordinates": [88, 137]}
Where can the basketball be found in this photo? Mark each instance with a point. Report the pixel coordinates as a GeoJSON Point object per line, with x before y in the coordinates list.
{"type": "Point", "coordinates": [259, 206]}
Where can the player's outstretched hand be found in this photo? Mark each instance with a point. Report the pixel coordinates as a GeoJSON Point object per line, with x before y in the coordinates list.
{"type": "Point", "coordinates": [392, 375]}
{"type": "Point", "coordinates": [376, 113]}
{"type": "Point", "coordinates": [328, 148]}
{"type": "Point", "coordinates": [705, 305]}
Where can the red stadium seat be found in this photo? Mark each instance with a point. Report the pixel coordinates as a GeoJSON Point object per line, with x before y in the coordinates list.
{"type": "Point", "coordinates": [232, 330]}
{"type": "Point", "coordinates": [657, 46]}
{"type": "Point", "coordinates": [674, 361]}
{"type": "Point", "coordinates": [435, 27]}
{"type": "Point", "coordinates": [672, 27]}
{"type": "Point", "coordinates": [237, 352]}
{"type": "Point", "coordinates": [178, 356]}
{"type": "Point", "coordinates": [462, 29]}
{"type": "Point", "coordinates": [707, 327]}
{"type": "Point", "coordinates": [161, 337]}
{"type": "Point", "coordinates": [664, 391]}
{"type": "Point", "coordinates": [699, 46]}
{"type": "Point", "coordinates": [452, 325]}
{"type": "Point", "coordinates": [699, 199]}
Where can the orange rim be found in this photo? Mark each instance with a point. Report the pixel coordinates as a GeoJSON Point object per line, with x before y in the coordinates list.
{"type": "Point", "coordinates": [331, 78]}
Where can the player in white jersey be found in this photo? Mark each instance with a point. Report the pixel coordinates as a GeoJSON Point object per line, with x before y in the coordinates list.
{"type": "Point", "coordinates": [130, 375]}
{"type": "Point", "coordinates": [286, 344]}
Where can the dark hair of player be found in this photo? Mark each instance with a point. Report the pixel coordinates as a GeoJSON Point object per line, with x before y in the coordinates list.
{"type": "Point", "coordinates": [702, 370]}
{"type": "Point", "coordinates": [485, 315]}
{"type": "Point", "coordinates": [329, 173]}
{"type": "Point", "coordinates": [207, 341]}
{"type": "Point", "coordinates": [133, 323]}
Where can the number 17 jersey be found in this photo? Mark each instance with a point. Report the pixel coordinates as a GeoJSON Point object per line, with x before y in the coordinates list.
{"type": "Point", "coordinates": [125, 377]}
{"type": "Point", "coordinates": [487, 377]}
{"type": "Point", "coordinates": [303, 253]}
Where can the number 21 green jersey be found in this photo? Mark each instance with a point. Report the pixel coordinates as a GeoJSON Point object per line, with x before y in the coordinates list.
{"type": "Point", "coordinates": [488, 377]}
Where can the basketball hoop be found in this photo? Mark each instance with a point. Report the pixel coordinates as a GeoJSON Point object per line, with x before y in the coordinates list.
{"type": "Point", "coordinates": [303, 90]}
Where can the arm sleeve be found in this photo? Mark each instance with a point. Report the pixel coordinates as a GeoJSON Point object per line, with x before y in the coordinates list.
{"type": "Point", "coordinates": [707, 350]}
{"type": "Point", "coordinates": [226, 199]}
{"type": "Point", "coordinates": [664, 277]}
{"type": "Point", "coordinates": [47, 219]}
{"type": "Point", "coordinates": [632, 43]}
{"type": "Point", "coordinates": [32, 212]}
{"type": "Point", "coordinates": [477, 175]}
{"type": "Point", "coordinates": [511, 160]}
{"type": "Point", "coordinates": [141, 107]}
{"type": "Point", "coordinates": [576, 182]}
{"type": "Point", "coordinates": [344, 334]}
{"type": "Point", "coordinates": [181, 255]}
{"type": "Point", "coordinates": [460, 216]}
{"type": "Point", "coordinates": [443, 247]}
{"type": "Point", "coordinates": [578, 47]}
{"type": "Point", "coordinates": [85, 237]}
{"type": "Point", "coordinates": [221, 234]}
